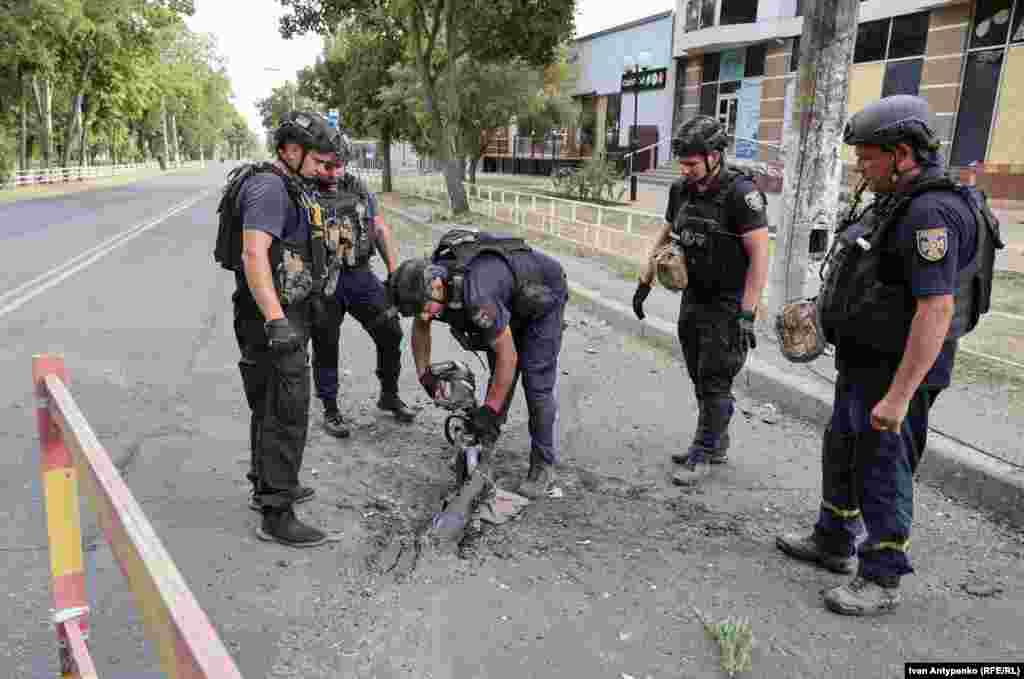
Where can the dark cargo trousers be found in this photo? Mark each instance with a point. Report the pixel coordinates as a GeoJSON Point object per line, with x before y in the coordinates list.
{"type": "Point", "coordinates": [361, 294]}
{"type": "Point", "coordinates": [277, 390]}
{"type": "Point", "coordinates": [868, 476]}
{"type": "Point", "coordinates": [709, 334]}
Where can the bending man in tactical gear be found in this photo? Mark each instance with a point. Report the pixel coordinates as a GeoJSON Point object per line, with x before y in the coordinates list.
{"type": "Point", "coordinates": [276, 214]}
{"type": "Point", "coordinates": [903, 281]}
{"type": "Point", "coordinates": [354, 230]}
{"type": "Point", "coordinates": [500, 296]}
{"type": "Point", "coordinates": [716, 218]}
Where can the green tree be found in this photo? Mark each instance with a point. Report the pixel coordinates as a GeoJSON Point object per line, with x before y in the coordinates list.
{"type": "Point", "coordinates": [436, 34]}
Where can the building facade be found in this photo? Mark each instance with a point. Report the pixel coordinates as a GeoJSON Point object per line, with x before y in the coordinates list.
{"type": "Point", "coordinates": [614, 102]}
{"type": "Point", "coordinates": [737, 60]}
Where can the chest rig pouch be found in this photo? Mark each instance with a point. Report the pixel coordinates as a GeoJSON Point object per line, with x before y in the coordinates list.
{"type": "Point", "coordinates": [532, 297]}
{"type": "Point", "coordinates": [299, 267]}
{"type": "Point", "coordinates": [863, 301]}
{"type": "Point", "coordinates": [715, 256]}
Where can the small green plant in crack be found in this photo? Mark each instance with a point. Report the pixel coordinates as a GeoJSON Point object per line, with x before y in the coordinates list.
{"type": "Point", "coordinates": [735, 639]}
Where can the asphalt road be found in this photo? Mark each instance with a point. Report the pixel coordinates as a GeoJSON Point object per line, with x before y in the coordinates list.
{"type": "Point", "coordinates": [601, 582]}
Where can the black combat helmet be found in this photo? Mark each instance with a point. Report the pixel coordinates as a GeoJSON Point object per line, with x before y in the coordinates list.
{"type": "Point", "coordinates": [409, 285]}
{"type": "Point", "coordinates": [899, 119]}
{"type": "Point", "coordinates": [699, 135]}
{"type": "Point", "coordinates": [309, 130]}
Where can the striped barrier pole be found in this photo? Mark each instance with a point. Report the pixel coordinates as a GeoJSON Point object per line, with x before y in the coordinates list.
{"type": "Point", "coordinates": [188, 645]}
{"type": "Point", "coordinates": [64, 527]}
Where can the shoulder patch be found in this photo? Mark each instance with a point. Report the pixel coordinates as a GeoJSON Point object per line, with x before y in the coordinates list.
{"type": "Point", "coordinates": [484, 316]}
{"type": "Point", "coordinates": [754, 201]}
{"type": "Point", "coordinates": [931, 243]}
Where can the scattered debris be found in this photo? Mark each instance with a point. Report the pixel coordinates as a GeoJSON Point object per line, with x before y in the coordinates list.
{"type": "Point", "coordinates": [556, 493]}
{"type": "Point", "coordinates": [982, 590]}
{"type": "Point", "coordinates": [769, 413]}
{"type": "Point", "coordinates": [500, 507]}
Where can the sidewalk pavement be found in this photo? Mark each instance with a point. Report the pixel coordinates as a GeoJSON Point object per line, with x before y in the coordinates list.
{"type": "Point", "coordinates": [971, 455]}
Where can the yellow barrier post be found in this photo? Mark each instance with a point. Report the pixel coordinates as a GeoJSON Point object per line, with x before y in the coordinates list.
{"type": "Point", "coordinates": [64, 526]}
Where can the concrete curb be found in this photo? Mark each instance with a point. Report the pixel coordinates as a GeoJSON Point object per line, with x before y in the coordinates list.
{"type": "Point", "coordinates": [978, 479]}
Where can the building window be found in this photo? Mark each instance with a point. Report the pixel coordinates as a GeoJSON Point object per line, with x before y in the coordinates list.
{"type": "Point", "coordinates": [738, 12]}
{"type": "Point", "coordinates": [755, 61]}
{"type": "Point", "coordinates": [902, 77]}
{"type": "Point", "coordinates": [709, 69]}
{"type": "Point", "coordinates": [984, 70]}
{"type": "Point", "coordinates": [991, 24]}
{"type": "Point", "coordinates": [897, 38]}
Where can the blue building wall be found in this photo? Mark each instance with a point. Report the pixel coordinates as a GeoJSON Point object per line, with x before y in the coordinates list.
{"type": "Point", "coordinates": [602, 57]}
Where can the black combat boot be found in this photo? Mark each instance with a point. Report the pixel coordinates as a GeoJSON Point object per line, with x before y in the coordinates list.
{"type": "Point", "coordinates": [538, 479]}
{"type": "Point", "coordinates": [334, 423]}
{"type": "Point", "coordinates": [391, 402]}
{"type": "Point", "coordinates": [281, 525]}
{"type": "Point", "coordinates": [299, 495]}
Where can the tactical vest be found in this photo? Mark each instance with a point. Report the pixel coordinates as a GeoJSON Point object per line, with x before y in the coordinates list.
{"type": "Point", "coordinates": [862, 303]}
{"type": "Point", "coordinates": [351, 234]}
{"type": "Point", "coordinates": [531, 297]}
{"type": "Point", "coordinates": [715, 256]}
{"type": "Point", "coordinates": [295, 267]}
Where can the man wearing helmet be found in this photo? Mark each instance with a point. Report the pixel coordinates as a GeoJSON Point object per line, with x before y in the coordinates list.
{"type": "Point", "coordinates": [904, 280]}
{"type": "Point", "coordinates": [276, 213]}
{"type": "Point", "coordinates": [716, 218]}
{"type": "Point", "coordinates": [500, 296]}
{"type": "Point", "coordinates": [355, 229]}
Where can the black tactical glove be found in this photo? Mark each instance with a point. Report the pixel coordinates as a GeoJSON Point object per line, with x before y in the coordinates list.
{"type": "Point", "coordinates": [642, 290]}
{"type": "Point", "coordinates": [486, 424]}
{"type": "Point", "coordinates": [748, 338]}
{"type": "Point", "coordinates": [282, 336]}
{"type": "Point", "coordinates": [429, 382]}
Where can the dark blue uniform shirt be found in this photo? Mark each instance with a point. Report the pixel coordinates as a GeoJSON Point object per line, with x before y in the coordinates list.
{"type": "Point", "coordinates": [264, 205]}
{"type": "Point", "coordinates": [489, 286]}
{"type": "Point", "coordinates": [912, 248]}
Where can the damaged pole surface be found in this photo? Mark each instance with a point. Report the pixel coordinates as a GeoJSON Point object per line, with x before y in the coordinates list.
{"type": "Point", "coordinates": [813, 168]}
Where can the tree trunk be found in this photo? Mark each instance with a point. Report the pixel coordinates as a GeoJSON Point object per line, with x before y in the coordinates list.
{"type": "Point", "coordinates": [174, 139]}
{"type": "Point", "coordinates": [163, 124]}
{"type": "Point", "coordinates": [810, 193]}
{"type": "Point", "coordinates": [44, 108]}
{"type": "Point", "coordinates": [83, 145]}
{"type": "Point", "coordinates": [454, 172]}
{"type": "Point", "coordinates": [23, 158]}
{"type": "Point", "coordinates": [472, 169]}
{"type": "Point", "coordinates": [385, 150]}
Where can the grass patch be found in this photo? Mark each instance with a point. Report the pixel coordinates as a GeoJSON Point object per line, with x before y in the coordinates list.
{"type": "Point", "coordinates": [735, 640]}
{"type": "Point", "coordinates": [1008, 292]}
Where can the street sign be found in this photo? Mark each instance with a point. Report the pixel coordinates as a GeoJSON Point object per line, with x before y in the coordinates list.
{"type": "Point", "coordinates": [646, 79]}
{"type": "Point", "coordinates": [332, 117]}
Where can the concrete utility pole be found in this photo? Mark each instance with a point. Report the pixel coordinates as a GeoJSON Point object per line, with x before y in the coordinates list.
{"type": "Point", "coordinates": [813, 168]}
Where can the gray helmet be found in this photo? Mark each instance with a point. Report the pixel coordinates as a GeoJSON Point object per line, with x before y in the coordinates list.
{"type": "Point", "coordinates": [309, 130]}
{"type": "Point", "coordinates": [899, 119]}
{"type": "Point", "coordinates": [699, 136]}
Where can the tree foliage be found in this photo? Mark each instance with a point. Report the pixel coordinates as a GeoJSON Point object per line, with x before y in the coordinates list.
{"type": "Point", "coordinates": [90, 80]}
{"type": "Point", "coordinates": [438, 39]}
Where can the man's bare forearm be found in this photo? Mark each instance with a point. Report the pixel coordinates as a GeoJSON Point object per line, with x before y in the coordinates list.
{"type": "Point", "coordinates": [927, 334]}
{"type": "Point", "coordinates": [260, 278]}
{"type": "Point", "coordinates": [420, 342]}
{"type": "Point", "coordinates": [386, 245]}
{"type": "Point", "coordinates": [505, 360]}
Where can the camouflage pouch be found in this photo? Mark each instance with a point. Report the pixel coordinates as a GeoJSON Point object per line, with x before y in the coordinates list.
{"type": "Point", "coordinates": [670, 266]}
{"type": "Point", "coordinates": [294, 279]}
{"type": "Point", "coordinates": [798, 327]}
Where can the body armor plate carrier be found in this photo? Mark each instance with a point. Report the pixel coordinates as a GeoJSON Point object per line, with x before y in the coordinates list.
{"type": "Point", "coordinates": [857, 305]}
{"type": "Point", "coordinates": [457, 249]}
{"type": "Point", "coordinates": [298, 270]}
{"type": "Point", "coordinates": [715, 256]}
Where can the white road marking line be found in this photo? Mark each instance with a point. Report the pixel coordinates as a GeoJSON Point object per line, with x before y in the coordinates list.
{"type": "Point", "coordinates": [58, 274]}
